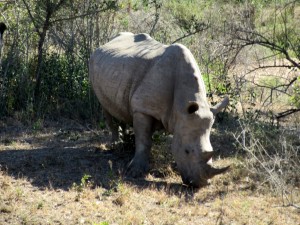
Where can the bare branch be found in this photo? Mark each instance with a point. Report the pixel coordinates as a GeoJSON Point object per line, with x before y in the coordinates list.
{"type": "Point", "coordinates": [80, 16]}
{"type": "Point", "coordinates": [202, 27]}
{"type": "Point", "coordinates": [276, 88]}
{"type": "Point", "coordinates": [259, 39]}
{"type": "Point", "coordinates": [157, 16]}
{"type": "Point", "coordinates": [286, 113]}
{"type": "Point", "coordinates": [37, 28]}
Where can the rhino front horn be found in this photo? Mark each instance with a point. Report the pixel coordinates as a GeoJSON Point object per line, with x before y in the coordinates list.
{"type": "Point", "coordinates": [221, 105]}
{"type": "Point", "coordinates": [211, 172]}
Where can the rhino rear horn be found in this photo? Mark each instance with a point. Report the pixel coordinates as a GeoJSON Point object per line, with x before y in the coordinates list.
{"type": "Point", "coordinates": [206, 156]}
{"type": "Point", "coordinates": [221, 105]}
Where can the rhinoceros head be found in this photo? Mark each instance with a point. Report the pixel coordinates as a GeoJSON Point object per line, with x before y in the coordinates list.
{"type": "Point", "coordinates": [191, 145]}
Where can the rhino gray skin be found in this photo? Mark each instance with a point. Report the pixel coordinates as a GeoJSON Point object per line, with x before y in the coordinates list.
{"type": "Point", "coordinates": [152, 86]}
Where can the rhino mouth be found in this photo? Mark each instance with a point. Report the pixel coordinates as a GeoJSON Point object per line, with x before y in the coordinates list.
{"type": "Point", "coordinates": [193, 183]}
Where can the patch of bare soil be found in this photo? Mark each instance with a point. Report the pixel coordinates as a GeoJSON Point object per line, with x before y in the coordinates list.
{"type": "Point", "coordinates": [67, 173]}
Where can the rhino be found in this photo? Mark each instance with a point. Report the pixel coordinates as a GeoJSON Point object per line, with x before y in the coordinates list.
{"type": "Point", "coordinates": [2, 29]}
{"type": "Point", "coordinates": [154, 86]}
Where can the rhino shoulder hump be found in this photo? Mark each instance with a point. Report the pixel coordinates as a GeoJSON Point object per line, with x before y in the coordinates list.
{"type": "Point", "coordinates": [141, 37]}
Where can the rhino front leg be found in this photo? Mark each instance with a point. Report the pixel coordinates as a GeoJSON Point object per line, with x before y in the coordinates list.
{"type": "Point", "coordinates": [142, 125]}
{"type": "Point", "coordinates": [111, 126]}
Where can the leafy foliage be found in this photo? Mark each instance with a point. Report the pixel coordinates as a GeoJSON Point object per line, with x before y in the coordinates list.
{"type": "Point", "coordinates": [48, 44]}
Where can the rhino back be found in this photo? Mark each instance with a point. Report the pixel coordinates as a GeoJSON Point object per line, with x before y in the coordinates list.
{"type": "Point", "coordinates": [118, 68]}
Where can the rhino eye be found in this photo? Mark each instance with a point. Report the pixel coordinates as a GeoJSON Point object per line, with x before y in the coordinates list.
{"type": "Point", "coordinates": [187, 151]}
{"type": "Point", "coordinates": [193, 107]}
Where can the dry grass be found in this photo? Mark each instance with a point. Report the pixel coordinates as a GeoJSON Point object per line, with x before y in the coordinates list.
{"type": "Point", "coordinates": [71, 176]}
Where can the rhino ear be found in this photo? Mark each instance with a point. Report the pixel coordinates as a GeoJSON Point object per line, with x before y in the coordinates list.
{"type": "Point", "coordinates": [221, 105]}
{"type": "Point", "coordinates": [192, 107]}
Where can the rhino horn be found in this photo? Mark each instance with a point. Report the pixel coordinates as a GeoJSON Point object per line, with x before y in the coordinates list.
{"type": "Point", "coordinates": [211, 172]}
{"type": "Point", "coordinates": [221, 105]}
{"type": "Point", "coordinates": [206, 156]}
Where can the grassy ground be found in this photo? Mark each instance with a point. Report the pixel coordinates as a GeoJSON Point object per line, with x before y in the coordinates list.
{"type": "Point", "coordinates": [50, 175]}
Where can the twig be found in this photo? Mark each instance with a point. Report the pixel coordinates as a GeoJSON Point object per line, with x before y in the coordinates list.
{"type": "Point", "coordinates": [286, 113]}
{"type": "Point", "coordinates": [202, 28]}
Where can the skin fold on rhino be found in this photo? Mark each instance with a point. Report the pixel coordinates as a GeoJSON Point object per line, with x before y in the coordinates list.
{"type": "Point", "coordinates": [152, 86]}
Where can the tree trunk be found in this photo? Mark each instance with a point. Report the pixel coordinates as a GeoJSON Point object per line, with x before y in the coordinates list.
{"type": "Point", "coordinates": [38, 74]}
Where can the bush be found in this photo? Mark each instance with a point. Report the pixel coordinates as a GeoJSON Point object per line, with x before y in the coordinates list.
{"type": "Point", "coordinates": [65, 87]}
{"type": "Point", "coordinates": [16, 86]}
{"type": "Point", "coordinates": [272, 157]}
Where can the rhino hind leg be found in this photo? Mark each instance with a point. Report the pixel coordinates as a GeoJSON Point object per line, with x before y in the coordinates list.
{"type": "Point", "coordinates": [111, 126]}
{"type": "Point", "coordinates": [143, 129]}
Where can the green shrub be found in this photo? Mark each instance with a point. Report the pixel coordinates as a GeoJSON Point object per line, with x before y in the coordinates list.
{"type": "Point", "coordinates": [65, 88]}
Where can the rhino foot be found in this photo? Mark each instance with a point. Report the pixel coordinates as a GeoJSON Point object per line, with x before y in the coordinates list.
{"type": "Point", "coordinates": [137, 168]}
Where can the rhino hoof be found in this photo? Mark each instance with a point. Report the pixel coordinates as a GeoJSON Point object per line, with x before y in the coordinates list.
{"type": "Point", "coordinates": [136, 169]}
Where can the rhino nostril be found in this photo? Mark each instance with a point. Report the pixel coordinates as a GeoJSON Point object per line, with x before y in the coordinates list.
{"type": "Point", "coordinates": [185, 180]}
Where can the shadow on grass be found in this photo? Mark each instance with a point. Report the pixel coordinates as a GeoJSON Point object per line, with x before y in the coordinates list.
{"type": "Point", "coordinates": [55, 161]}
{"type": "Point", "coordinates": [61, 168]}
